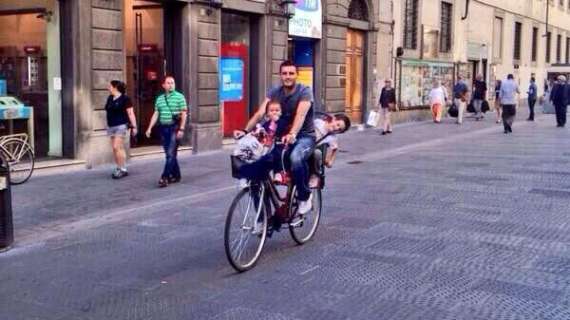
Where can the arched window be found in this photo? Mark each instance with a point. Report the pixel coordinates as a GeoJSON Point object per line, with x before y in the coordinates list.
{"type": "Point", "coordinates": [358, 10]}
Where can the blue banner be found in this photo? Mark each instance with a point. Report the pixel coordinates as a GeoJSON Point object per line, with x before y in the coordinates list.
{"type": "Point", "coordinates": [231, 79]}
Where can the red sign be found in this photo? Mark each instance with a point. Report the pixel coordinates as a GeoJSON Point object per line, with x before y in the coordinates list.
{"type": "Point", "coordinates": [32, 49]}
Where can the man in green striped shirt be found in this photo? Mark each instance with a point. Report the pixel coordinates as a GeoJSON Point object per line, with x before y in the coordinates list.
{"type": "Point", "coordinates": [170, 111]}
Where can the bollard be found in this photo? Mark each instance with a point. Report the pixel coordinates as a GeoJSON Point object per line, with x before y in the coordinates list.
{"type": "Point", "coordinates": [6, 225]}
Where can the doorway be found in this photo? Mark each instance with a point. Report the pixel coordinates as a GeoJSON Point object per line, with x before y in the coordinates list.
{"type": "Point", "coordinates": [146, 63]}
{"type": "Point", "coordinates": [354, 74]}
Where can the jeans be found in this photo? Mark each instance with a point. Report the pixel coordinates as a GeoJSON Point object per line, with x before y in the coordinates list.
{"type": "Point", "coordinates": [477, 104]}
{"type": "Point", "coordinates": [302, 150]}
{"type": "Point", "coordinates": [259, 170]}
{"type": "Point", "coordinates": [561, 115]}
{"type": "Point", "coordinates": [531, 102]}
{"type": "Point", "coordinates": [170, 145]}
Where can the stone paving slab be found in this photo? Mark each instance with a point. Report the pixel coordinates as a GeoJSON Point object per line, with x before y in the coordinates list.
{"type": "Point", "coordinates": [431, 222]}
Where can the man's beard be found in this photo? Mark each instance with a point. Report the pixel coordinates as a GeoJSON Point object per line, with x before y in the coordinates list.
{"type": "Point", "coordinates": [289, 87]}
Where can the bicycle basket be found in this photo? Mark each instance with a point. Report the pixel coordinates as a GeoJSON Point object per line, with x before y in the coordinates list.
{"type": "Point", "coordinates": [236, 164]}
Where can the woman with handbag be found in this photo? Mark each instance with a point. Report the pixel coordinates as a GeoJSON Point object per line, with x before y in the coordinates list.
{"type": "Point", "coordinates": [170, 111]}
{"type": "Point", "coordinates": [387, 103]}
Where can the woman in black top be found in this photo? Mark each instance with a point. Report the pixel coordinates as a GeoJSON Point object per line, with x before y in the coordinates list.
{"type": "Point", "coordinates": [387, 102]}
{"type": "Point", "coordinates": [120, 117]}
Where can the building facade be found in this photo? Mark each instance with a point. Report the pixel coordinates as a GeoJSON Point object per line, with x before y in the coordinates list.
{"type": "Point", "coordinates": [439, 39]}
{"type": "Point", "coordinates": [224, 56]}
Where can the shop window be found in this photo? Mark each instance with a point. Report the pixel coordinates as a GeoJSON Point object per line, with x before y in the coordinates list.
{"type": "Point", "coordinates": [534, 44]}
{"type": "Point", "coordinates": [358, 10]}
{"type": "Point", "coordinates": [30, 68]}
{"type": "Point", "coordinates": [446, 23]}
{"type": "Point", "coordinates": [411, 24]}
{"type": "Point", "coordinates": [517, 45]}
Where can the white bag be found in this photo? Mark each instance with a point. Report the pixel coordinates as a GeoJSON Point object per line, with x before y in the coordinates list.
{"type": "Point", "coordinates": [373, 118]}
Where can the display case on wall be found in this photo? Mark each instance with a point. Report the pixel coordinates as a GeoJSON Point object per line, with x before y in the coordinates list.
{"type": "Point", "coordinates": [416, 81]}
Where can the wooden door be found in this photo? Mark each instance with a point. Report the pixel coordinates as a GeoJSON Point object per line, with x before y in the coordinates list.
{"type": "Point", "coordinates": [354, 75]}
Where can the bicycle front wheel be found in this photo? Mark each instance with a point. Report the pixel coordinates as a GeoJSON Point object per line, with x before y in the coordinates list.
{"type": "Point", "coordinates": [304, 227]}
{"type": "Point", "coordinates": [246, 229]}
{"type": "Point", "coordinates": [21, 160]}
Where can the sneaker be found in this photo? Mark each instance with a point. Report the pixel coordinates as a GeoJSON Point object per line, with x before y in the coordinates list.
{"type": "Point", "coordinates": [306, 206]}
{"type": "Point", "coordinates": [174, 180]}
{"type": "Point", "coordinates": [162, 183]}
{"type": "Point", "coordinates": [119, 173]}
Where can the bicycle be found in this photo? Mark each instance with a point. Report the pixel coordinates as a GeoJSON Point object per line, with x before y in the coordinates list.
{"type": "Point", "coordinates": [16, 150]}
{"type": "Point", "coordinates": [260, 209]}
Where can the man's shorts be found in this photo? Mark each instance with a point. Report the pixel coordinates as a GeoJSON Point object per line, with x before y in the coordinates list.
{"type": "Point", "coordinates": [117, 131]}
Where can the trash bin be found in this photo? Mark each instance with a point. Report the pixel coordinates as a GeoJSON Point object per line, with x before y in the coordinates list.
{"type": "Point", "coordinates": [6, 225]}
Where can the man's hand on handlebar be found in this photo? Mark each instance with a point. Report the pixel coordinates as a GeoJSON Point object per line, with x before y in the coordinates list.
{"type": "Point", "coordinates": [289, 139]}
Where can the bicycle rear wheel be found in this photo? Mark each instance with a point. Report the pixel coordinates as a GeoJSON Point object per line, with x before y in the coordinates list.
{"type": "Point", "coordinates": [21, 160]}
{"type": "Point", "coordinates": [246, 229]}
{"type": "Point", "coordinates": [303, 228]}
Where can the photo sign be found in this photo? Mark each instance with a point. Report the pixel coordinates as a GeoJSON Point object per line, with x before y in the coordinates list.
{"type": "Point", "coordinates": [308, 19]}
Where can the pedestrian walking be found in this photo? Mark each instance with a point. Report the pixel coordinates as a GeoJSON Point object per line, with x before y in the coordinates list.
{"type": "Point", "coordinates": [437, 99]}
{"type": "Point", "coordinates": [532, 94]}
{"type": "Point", "coordinates": [387, 102]}
{"type": "Point", "coordinates": [170, 112]}
{"type": "Point", "coordinates": [559, 97]}
{"type": "Point", "coordinates": [508, 96]}
{"type": "Point", "coordinates": [479, 94]}
{"type": "Point", "coordinates": [498, 100]}
{"type": "Point", "coordinates": [460, 93]}
{"type": "Point", "coordinates": [120, 117]}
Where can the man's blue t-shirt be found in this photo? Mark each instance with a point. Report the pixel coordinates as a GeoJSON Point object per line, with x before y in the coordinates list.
{"type": "Point", "coordinates": [289, 104]}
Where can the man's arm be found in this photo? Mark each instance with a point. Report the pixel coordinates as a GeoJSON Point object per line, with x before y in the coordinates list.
{"type": "Point", "coordinates": [182, 125]}
{"type": "Point", "coordinates": [302, 110]}
{"type": "Point", "coordinates": [153, 121]}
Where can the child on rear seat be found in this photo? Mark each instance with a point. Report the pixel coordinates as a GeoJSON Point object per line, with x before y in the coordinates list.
{"type": "Point", "coordinates": [327, 130]}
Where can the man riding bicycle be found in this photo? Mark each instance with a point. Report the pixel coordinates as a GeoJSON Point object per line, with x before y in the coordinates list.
{"type": "Point", "coordinates": [297, 112]}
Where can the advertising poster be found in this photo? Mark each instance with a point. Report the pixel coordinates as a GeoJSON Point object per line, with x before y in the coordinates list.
{"type": "Point", "coordinates": [305, 76]}
{"type": "Point", "coordinates": [231, 79]}
{"type": "Point", "coordinates": [417, 81]}
{"type": "Point", "coordinates": [308, 19]}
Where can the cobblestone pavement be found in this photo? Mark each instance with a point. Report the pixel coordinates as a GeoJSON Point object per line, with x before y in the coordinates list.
{"type": "Point", "coordinates": [432, 222]}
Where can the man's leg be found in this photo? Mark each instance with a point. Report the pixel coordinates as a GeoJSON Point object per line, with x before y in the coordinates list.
{"type": "Point", "coordinates": [563, 111]}
{"type": "Point", "coordinates": [558, 110]}
{"type": "Point", "coordinates": [169, 148]}
{"type": "Point", "coordinates": [477, 106]}
{"type": "Point", "coordinates": [460, 108]}
{"type": "Point", "coordinates": [299, 166]}
{"type": "Point", "coordinates": [531, 103]}
{"type": "Point", "coordinates": [165, 133]}
{"type": "Point", "coordinates": [175, 167]}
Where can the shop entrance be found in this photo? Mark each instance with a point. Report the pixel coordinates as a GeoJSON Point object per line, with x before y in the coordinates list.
{"type": "Point", "coordinates": [302, 52]}
{"type": "Point", "coordinates": [354, 74]}
{"type": "Point", "coordinates": [239, 79]}
{"type": "Point", "coordinates": [30, 61]}
{"type": "Point", "coordinates": [146, 63]}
